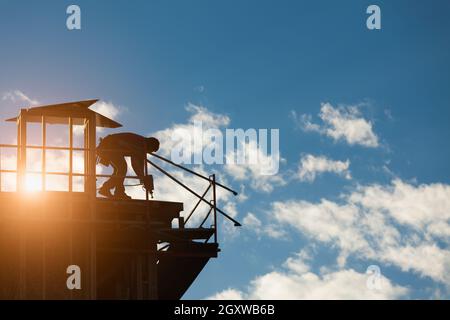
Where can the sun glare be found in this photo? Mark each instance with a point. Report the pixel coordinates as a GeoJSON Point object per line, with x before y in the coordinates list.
{"type": "Point", "coordinates": [33, 183]}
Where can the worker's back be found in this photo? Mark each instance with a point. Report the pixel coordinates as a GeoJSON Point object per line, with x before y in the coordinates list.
{"type": "Point", "coordinates": [128, 143]}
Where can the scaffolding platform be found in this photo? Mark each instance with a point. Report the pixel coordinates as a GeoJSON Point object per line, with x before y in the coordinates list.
{"type": "Point", "coordinates": [116, 248]}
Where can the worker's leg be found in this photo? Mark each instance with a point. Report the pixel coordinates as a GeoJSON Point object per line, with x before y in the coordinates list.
{"type": "Point", "coordinates": [120, 168]}
{"type": "Point", "coordinates": [108, 185]}
{"type": "Point", "coordinates": [138, 166]}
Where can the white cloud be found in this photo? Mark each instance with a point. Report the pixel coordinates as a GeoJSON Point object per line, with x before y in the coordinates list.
{"type": "Point", "coordinates": [425, 259]}
{"type": "Point", "coordinates": [423, 207]}
{"type": "Point", "coordinates": [343, 284]}
{"type": "Point", "coordinates": [326, 222]}
{"type": "Point", "coordinates": [295, 281]}
{"type": "Point", "coordinates": [310, 166]}
{"type": "Point", "coordinates": [254, 224]}
{"type": "Point", "coordinates": [299, 262]}
{"type": "Point", "coordinates": [166, 189]}
{"type": "Point", "coordinates": [399, 224]}
{"type": "Point", "coordinates": [199, 114]}
{"type": "Point", "coordinates": [209, 120]}
{"type": "Point", "coordinates": [251, 221]}
{"type": "Point", "coordinates": [108, 109]}
{"type": "Point", "coordinates": [343, 123]}
{"type": "Point", "coordinates": [254, 172]}
{"type": "Point", "coordinates": [19, 96]}
{"type": "Point", "coordinates": [228, 294]}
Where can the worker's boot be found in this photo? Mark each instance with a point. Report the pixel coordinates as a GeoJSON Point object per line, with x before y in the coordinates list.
{"type": "Point", "coordinates": [105, 191]}
{"type": "Point", "coordinates": [119, 193]}
{"type": "Point", "coordinates": [121, 196]}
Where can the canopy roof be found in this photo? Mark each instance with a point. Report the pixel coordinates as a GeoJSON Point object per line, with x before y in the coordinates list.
{"type": "Point", "coordinates": [60, 113]}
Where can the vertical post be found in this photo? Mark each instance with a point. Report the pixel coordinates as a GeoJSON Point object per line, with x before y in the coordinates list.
{"type": "Point", "coordinates": [92, 193]}
{"type": "Point", "coordinates": [146, 174]}
{"type": "Point", "coordinates": [86, 191]}
{"type": "Point", "coordinates": [215, 207]}
{"type": "Point", "coordinates": [86, 156]}
{"type": "Point", "coordinates": [70, 154]}
{"type": "Point", "coordinates": [21, 173]}
{"type": "Point", "coordinates": [44, 240]}
{"type": "Point", "coordinates": [44, 143]}
{"type": "Point", "coordinates": [70, 195]}
{"type": "Point", "coordinates": [18, 154]}
{"type": "Point", "coordinates": [22, 255]}
{"type": "Point", "coordinates": [44, 256]}
{"type": "Point", "coordinates": [22, 150]}
{"type": "Point", "coordinates": [91, 162]}
{"type": "Point", "coordinates": [151, 257]}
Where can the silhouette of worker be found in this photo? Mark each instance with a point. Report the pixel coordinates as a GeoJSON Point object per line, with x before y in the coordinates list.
{"type": "Point", "coordinates": [113, 149]}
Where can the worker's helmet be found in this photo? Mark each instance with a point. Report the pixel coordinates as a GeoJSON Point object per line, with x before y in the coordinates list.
{"type": "Point", "coordinates": [152, 144]}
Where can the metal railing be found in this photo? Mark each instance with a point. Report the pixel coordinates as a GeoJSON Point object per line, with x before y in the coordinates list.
{"type": "Point", "coordinates": [201, 198]}
{"type": "Point", "coordinates": [212, 183]}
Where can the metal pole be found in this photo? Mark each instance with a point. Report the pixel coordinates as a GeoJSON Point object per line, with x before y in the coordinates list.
{"type": "Point", "coordinates": [236, 223]}
{"type": "Point", "coordinates": [192, 172]}
{"type": "Point", "coordinates": [197, 204]}
{"type": "Point", "coordinates": [215, 207]}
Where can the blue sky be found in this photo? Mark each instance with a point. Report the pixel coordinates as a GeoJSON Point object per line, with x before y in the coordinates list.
{"type": "Point", "coordinates": [257, 62]}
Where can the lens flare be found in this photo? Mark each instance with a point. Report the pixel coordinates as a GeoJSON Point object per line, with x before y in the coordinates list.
{"type": "Point", "coordinates": [33, 183]}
